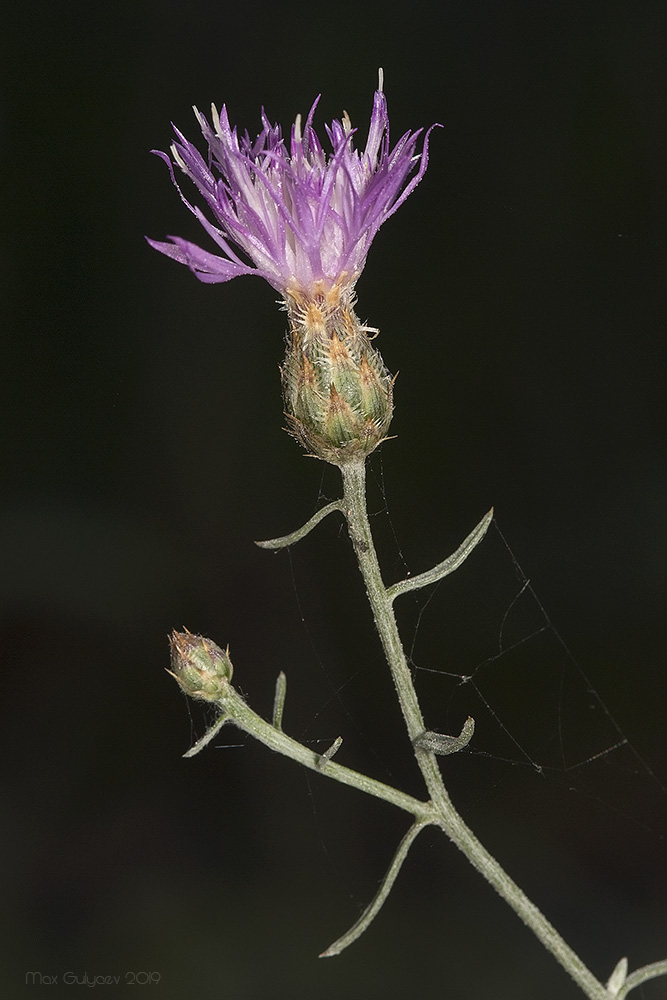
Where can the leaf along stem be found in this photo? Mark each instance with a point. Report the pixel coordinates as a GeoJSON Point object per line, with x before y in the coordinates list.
{"type": "Point", "coordinates": [375, 906]}
{"type": "Point", "coordinates": [643, 975]}
{"type": "Point", "coordinates": [447, 565]}
{"type": "Point", "coordinates": [295, 536]}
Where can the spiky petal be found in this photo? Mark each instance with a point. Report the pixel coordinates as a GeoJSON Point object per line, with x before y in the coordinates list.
{"type": "Point", "coordinates": [300, 216]}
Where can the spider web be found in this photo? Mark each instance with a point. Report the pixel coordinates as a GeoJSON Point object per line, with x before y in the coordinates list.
{"type": "Point", "coordinates": [481, 643]}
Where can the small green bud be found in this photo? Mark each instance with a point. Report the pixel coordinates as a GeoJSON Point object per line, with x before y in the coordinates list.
{"type": "Point", "coordinates": [201, 668]}
{"type": "Point", "coordinates": [337, 391]}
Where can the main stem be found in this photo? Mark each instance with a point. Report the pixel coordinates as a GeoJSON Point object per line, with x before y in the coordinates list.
{"type": "Point", "coordinates": [449, 820]}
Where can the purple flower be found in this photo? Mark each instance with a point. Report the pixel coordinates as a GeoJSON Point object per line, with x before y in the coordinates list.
{"type": "Point", "coordinates": [304, 218]}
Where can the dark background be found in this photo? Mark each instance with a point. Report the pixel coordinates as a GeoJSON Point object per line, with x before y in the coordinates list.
{"type": "Point", "coordinates": [520, 292]}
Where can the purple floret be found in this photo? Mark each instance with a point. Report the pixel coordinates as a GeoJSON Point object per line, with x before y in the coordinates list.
{"type": "Point", "coordinates": [299, 216]}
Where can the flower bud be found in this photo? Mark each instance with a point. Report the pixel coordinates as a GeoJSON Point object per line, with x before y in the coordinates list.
{"type": "Point", "coordinates": [337, 391]}
{"type": "Point", "coordinates": [201, 668]}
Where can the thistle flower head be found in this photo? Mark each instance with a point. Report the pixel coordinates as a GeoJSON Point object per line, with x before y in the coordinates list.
{"type": "Point", "coordinates": [304, 218]}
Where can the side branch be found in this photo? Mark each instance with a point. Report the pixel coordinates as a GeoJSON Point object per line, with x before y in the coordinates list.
{"type": "Point", "coordinates": [374, 908]}
{"type": "Point", "coordinates": [642, 976]}
{"type": "Point", "coordinates": [447, 566]}
{"type": "Point", "coordinates": [236, 711]}
{"type": "Point", "coordinates": [296, 536]}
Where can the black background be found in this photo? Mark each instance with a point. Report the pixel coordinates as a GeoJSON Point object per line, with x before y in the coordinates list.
{"type": "Point", "coordinates": [520, 292]}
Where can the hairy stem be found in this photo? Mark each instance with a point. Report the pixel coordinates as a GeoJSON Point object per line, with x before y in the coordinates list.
{"type": "Point", "coordinates": [354, 508]}
{"type": "Point", "coordinates": [449, 820]}
{"type": "Point", "coordinates": [527, 911]}
{"type": "Point", "coordinates": [236, 711]}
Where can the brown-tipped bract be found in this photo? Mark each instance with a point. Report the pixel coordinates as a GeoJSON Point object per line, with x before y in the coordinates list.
{"type": "Point", "coordinates": [202, 668]}
{"type": "Point", "coordinates": [337, 390]}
